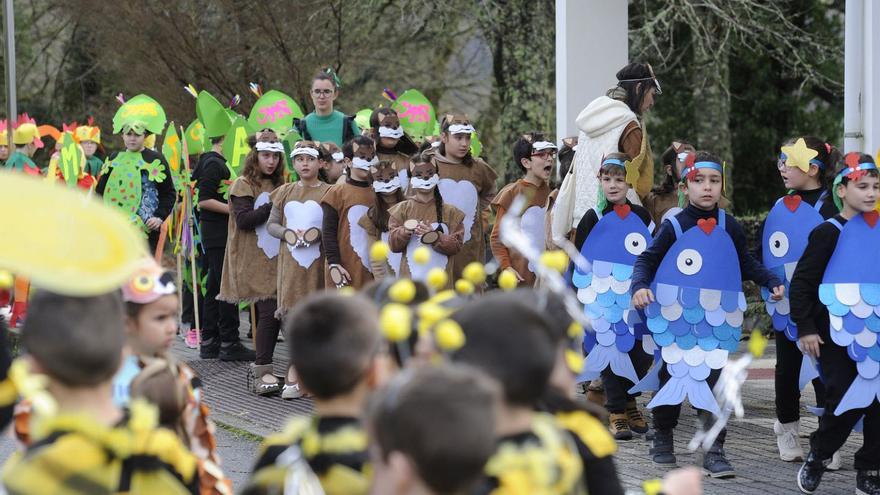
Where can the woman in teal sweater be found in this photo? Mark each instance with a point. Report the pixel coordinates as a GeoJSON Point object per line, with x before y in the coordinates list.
{"type": "Point", "coordinates": [325, 123]}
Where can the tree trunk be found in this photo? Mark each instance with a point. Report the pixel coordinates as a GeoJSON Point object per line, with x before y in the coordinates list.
{"type": "Point", "coordinates": [712, 97]}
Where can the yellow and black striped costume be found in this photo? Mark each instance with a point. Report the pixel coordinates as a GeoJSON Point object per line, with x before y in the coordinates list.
{"type": "Point", "coordinates": [73, 454]}
{"type": "Point", "coordinates": [334, 447]}
{"type": "Point", "coordinates": [543, 461]}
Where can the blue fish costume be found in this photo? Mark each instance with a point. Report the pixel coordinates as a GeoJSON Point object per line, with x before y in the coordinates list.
{"type": "Point", "coordinates": [786, 233]}
{"type": "Point", "coordinates": [851, 290]}
{"type": "Point", "coordinates": [698, 313]}
{"type": "Point", "coordinates": [603, 286]}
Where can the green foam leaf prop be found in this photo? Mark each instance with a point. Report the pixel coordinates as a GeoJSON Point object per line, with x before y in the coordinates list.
{"type": "Point", "coordinates": [171, 149]}
{"type": "Point", "coordinates": [417, 115]}
{"type": "Point", "coordinates": [274, 110]}
{"type": "Point", "coordinates": [476, 144]}
{"type": "Point", "coordinates": [362, 118]}
{"type": "Point", "coordinates": [235, 145]}
{"type": "Point", "coordinates": [212, 114]}
{"type": "Point", "coordinates": [72, 159]}
{"type": "Point", "coordinates": [195, 138]}
{"type": "Point", "coordinates": [140, 109]}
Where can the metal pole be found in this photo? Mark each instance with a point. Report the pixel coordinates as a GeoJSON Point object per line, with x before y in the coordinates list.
{"type": "Point", "coordinates": [9, 58]}
{"type": "Point", "coordinates": [853, 75]}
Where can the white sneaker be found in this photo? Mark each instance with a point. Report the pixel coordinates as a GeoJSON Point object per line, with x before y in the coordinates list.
{"type": "Point", "coordinates": [834, 465]}
{"type": "Point", "coordinates": [788, 441]}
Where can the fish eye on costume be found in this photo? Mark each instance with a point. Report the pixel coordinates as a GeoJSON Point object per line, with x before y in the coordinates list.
{"type": "Point", "coordinates": [778, 244]}
{"type": "Point", "coordinates": [635, 243]}
{"type": "Point", "coordinates": [689, 262]}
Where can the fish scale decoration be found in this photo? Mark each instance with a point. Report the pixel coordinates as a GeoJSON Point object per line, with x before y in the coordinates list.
{"type": "Point", "coordinates": [697, 316]}
{"type": "Point", "coordinates": [786, 233]}
{"type": "Point", "coordinates": [603, 286]}
{"type": "Point", "coordinates": [851, 290]}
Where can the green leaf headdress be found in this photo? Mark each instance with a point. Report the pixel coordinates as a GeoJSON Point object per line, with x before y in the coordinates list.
{"type": "Point", "coordinates": [139, 114]}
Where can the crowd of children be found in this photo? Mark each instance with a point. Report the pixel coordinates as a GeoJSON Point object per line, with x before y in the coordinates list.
{"type": "Point", "coordinates": [367, 251]}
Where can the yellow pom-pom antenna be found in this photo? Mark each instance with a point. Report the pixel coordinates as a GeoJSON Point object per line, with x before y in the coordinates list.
{"type": "Point", "coordinates": [507, 280]}
{"type": "Point", "coordinates": [421, 255]}
{"type": "Point", "coordinates": [346, 291]}
{"type": "Point", "coordinates": [403, 291]}
{"type": "Point", "coordinates": [574, 361]}
{"type": "Point", "coordinates": [575, 330]}
{"type": "Point", "coordinates": [396, 322]}
{"type": "Point", "coordinates": [556, 260]}
{"type": "Point", "coordinates": [6, 279]}
{"type": "Point", "coordinates": [449, 335]}
{"type": "Point", "coordinates": [757, 343]}
{"type": "Point", "coordinates": [474, 272]}
{"type": "Point", "coordinates": [464, 287]}
{"type": "Point", "coordinates": [379, 251]}
{"type": "Point", "coordinates": [437, 278]}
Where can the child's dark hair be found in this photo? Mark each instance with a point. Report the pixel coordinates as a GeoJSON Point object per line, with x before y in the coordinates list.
{"type": "Point", "coordinates": [447, 121]}
{"type": "Point", "coordinates": [566, 155]}
{"type": "Point", "coordinates": [863, 158]}
{"type": "Point", "coordinates": [349, 146]}
{"type": "Point", "coordinates": [377, 292]}
{"type": "Point", "coordinates": [442, 419]}
{"type": "Point", "coordinates": [507, 339]}
{"type": "Point", "coordinates": [251, 170]}
{"type": "Point", "coordinates": [522, 147]}
{"type": "Point", "coordinates": [159, 383]}
{"type": "Point", "coordinates": [327, 74]}
{"type": "Point", "coordinates": [669, 158]}
{"type": "Point", "coordinates": [630, 77]}
{"type": "Point", "coordinates": [613, 169]}
{"type": "Point", "coordinates": [828, 155]}
{"type": "Point", "coordinates": [378, 213]}
{"type": "Point", "coordinates": [333, 340]}
{"type": "Point", "coordinates": [76, 340]}
{"type": "Point", "coordinates": [552, 308]}
{"type": "Point", "coordinates": [428, 158]}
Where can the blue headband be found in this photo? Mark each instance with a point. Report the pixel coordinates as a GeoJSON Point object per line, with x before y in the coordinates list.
{"type": "Point", "coordinates": [613, 161]}
{"type": "Point", "coordinates": [712, 165]}
{"type": "Point", "coordinates": [862, 166]}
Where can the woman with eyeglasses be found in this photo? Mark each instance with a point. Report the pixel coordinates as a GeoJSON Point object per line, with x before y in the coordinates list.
{"type": "Point", "coordinates": [325, 123]}
{"type": "Point", "coordinates": [613, 123]}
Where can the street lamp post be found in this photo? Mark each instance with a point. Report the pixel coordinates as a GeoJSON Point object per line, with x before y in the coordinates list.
{"type": "Point", "coordinates": [9, 58]}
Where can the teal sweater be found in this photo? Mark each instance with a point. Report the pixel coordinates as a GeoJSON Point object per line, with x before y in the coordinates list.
{"type": "Point", "coordinates": [329, 127]}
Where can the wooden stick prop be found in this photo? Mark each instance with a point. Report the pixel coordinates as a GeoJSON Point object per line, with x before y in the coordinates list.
{"type": "Point", "coordinates": [187, 218]}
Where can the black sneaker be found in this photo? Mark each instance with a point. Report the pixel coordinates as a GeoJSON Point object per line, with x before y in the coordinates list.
{"type": "Point", "coordinates": [663, 450]}
{"type": "Point", "coordinates": [716, 465]}
{"type": "Point", "coordinates": [810, 473]}
{"type": "Point", "coordinates": [236, 352]}
{"type": "Point", "coordinates": [209, 350]}
{"type": "Point", "coordinates": [867, 482]}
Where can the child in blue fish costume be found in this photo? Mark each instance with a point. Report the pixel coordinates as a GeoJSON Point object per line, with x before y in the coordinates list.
{"type": "Point", "coordinates": [835, 302]}
{"type": "Point", "coordinates": [609, 237]}
{"type": "Point", "coordinates": [689, 281]}
{"type": "Point", "coordinates": [804, 165]}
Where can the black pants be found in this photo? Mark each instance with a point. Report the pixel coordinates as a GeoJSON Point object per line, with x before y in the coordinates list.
{"type": "Point", "coordinates": [839, 371]}
{"type": "Point", "coordinates": [266, 333]}
{"type": "Point", "coordinates": [616, 386]}
{"type": "Point", "coordinates": [788, 370]}
{"type": "Point", "coordinates": [221, 318]}
{"type": "Point", "coordinates": [666, 417]}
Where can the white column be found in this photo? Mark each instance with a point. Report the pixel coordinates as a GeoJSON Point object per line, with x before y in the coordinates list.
{"type": "Point", "coordinates": [871, 73]}
{"type": "Point", "coordinates": [592, 44]}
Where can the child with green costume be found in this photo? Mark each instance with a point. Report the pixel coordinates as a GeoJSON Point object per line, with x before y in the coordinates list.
{"type": "Point", "coordinates": [149, 200]}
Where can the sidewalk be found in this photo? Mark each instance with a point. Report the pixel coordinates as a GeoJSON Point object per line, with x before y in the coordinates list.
{"type": "Point", "coordinates": [751, 444]}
